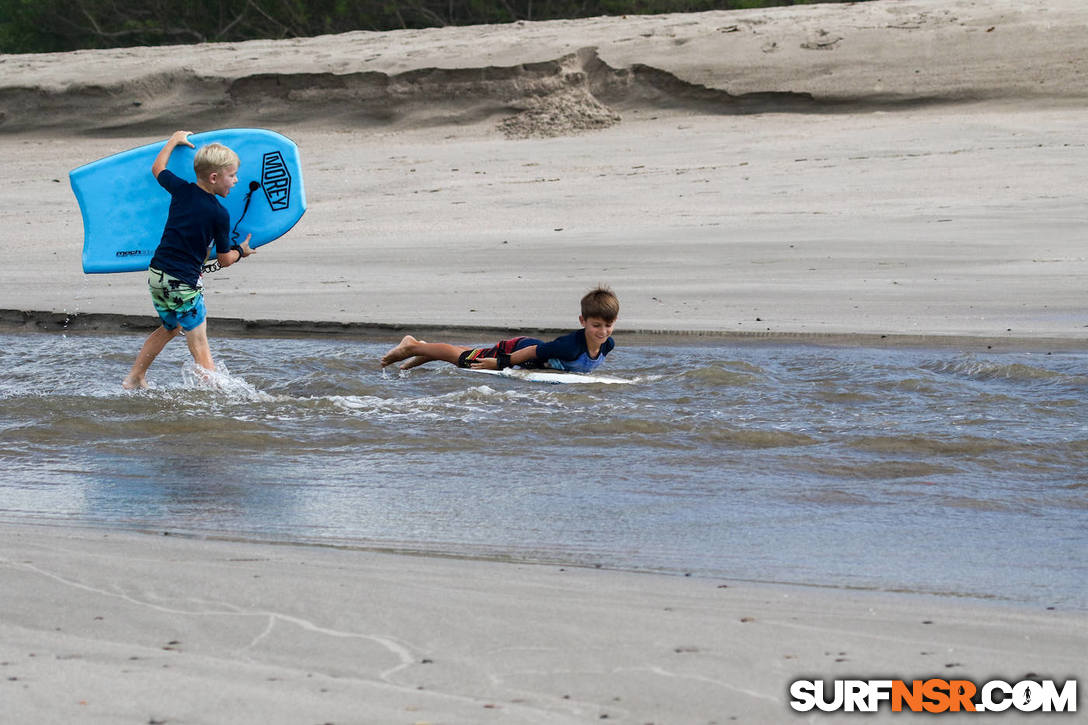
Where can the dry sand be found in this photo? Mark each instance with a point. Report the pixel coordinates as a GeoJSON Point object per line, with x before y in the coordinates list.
{"type": "Point", "coordinates": [884, 168]}
{"type": "Point", "coordinates": [901, 168]}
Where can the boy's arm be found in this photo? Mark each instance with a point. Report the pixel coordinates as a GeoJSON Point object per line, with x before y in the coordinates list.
{"type": "Point", "coordinates": [235, 254]}
{"type": "Point", "coordinates": [178, 138]}
{"type": "Point", "coordinates": [517, 357]}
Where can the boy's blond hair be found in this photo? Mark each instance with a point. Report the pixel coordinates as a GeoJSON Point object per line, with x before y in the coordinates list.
{"type": "Point", "coordinates": [601, 303]}
{"type": "Point", "coordinates": [213, 157]}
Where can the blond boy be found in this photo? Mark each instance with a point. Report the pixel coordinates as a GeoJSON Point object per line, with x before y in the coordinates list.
{"type": "Point", "coordinates": [196, 220]}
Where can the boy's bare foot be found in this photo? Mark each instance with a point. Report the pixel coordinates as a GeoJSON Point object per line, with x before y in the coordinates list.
{"type": "Point", "coordinates": [415, 362]}
{"type": "Point", "coordinates": [130, 383]}
{"type": "Point", "coordinates": [400, 352]}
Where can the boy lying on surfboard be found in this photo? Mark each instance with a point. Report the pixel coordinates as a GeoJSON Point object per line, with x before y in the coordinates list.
{"type": "Point", "coordinates": [580, 351]}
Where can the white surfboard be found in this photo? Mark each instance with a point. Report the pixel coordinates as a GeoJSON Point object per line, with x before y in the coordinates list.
{"type": "Point", "coordinates": [557, 377]}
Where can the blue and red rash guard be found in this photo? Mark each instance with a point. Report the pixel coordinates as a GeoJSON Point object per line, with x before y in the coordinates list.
{"type": "Point", "coordinates": [568, 352]}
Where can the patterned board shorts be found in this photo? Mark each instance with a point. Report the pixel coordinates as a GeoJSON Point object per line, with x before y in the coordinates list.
{"type": "Point", "coordinates": [506, 347]}
{"type": "Point", "coordinates": [177, 302]}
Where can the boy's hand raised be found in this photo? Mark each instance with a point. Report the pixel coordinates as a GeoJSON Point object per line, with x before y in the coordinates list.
{"type": "Point", "coordinates": [181, 138]}
{"type": "Point", "coordinates": [178, 138]}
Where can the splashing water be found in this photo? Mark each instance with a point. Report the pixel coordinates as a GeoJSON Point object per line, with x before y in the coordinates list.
{"type": "Point", "coordinates": [220, 381]}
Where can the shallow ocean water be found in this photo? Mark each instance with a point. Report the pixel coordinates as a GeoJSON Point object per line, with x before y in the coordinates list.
{"type": "Point", "coordinates": [895, 469]}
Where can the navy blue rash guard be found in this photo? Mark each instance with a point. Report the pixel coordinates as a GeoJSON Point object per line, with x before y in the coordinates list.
{"type": "Point", "coordinates": [568, 352]}
{"type": "Point", "coordinates": [196, 219]}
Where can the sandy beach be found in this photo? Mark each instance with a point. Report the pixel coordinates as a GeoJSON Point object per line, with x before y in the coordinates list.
{"type": "Point", "coordinates": [128, 628]}
{"type": "Point", "coordinates": [885, 168]}
{"type": "Point", "coordinates": [895, 170]}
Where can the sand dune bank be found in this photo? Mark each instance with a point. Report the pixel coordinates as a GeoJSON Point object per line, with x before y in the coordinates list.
{"type": "Point", "coordinates": [833, 57]}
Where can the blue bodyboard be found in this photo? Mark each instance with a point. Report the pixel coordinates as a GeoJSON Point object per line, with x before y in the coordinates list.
{"type": "Point", "coordinates": [124, 208]}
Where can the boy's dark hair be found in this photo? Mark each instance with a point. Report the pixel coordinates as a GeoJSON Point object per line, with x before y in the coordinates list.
{"type": "Point", "coordinates": [601, 303]}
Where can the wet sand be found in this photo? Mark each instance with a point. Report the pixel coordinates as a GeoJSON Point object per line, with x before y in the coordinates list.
{"type": "Point", "coordinates": [129, 628]}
